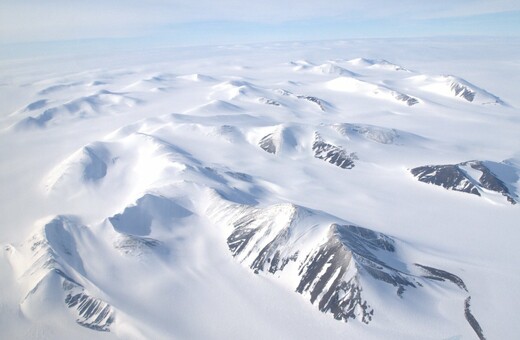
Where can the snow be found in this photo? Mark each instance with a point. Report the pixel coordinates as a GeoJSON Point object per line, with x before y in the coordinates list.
{"type": "Point", "coordinates": [147, 158]}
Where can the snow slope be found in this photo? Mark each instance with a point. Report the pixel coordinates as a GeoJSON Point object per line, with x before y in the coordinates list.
{"type": "Point", "coordinates": [262, 191]}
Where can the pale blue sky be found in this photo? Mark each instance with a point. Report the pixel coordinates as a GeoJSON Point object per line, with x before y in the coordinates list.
{"type": "Point", "coordinates": [203, 22]}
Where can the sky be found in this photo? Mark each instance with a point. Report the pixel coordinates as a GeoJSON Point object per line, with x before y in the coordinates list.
{"type": "Point", "coordinates": [206, 22]}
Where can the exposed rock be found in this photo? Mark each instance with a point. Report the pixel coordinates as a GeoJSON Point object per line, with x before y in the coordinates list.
{"type": "Point", "coordinates": [471, 319]}
{"type": "Point", "coordinates": [462, 91]}
{"type": "Point", "coordinates": [267, 143]}
{"type": "Point", "coordinates": [490, 181]}
{"type": "Point", "coordinates": [332, 154]}
{"type": "Point", "coordinates": [268, 101]}
{"type": "Point", "coordinates": [92, 313]}
{"type": "Point", "coordinates": [457, 177]}
{"type": "Point", "coordinates": [448, 176]}
{"type": "Point", "coordinates": [437, 274]}
{"type": "Point", "coordinates": [330, 272]}
{"type": "Point", "coordinates": [314, 100]}
{"type": "Point", "coordinates": [55, 260]}
{"type": "Point", "coordinates": [409, 100]}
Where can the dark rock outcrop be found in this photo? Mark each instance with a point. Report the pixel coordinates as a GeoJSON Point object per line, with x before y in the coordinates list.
{"type": "Point", "coordinates": [331, 272]}
{"type": "Point", "coordinates": [471, 319]}
{"type": "Point", "coordinates": [314, 100]}
{"type": "Point", "coordinates": [462, 91]}
{"type": "Point", "coordinates": [267, 144]}
{"type": "Point", "coordinates": [409, 100]}
{"type": "Point", "coordinates": [448, 176]}
{"type": "Point", "coordinates": [457, 177]}
{"type": "Point", "coordinates": [333, 154]}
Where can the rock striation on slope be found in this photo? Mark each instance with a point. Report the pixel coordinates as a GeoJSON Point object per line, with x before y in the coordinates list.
{"type": "Point", "coordinates": [54, 274]}
{"type": "Point", "coordinates": [270, 143]}
{"type": "Point", "coordinates": [320, 102]}
{"type": "Point", "coordinates": [473, 177]}
{"type": "Point", "coordinates": [57, 278]}
{"type": "Point", "coordinates": [452, 86]}
{"type": "Point", "coordinates": [331, 153]}
{"type": "Point", "coordinates": [462, 89]}
{"type": "Point", "coordinates": [327, 260]}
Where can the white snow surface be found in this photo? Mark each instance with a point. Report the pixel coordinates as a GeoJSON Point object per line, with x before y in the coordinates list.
{"type": "Point", "coordinates": [123, 175]}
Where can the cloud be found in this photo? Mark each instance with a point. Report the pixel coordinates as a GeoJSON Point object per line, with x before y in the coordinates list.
{"type": "Point", "coordinates": [27, 20]}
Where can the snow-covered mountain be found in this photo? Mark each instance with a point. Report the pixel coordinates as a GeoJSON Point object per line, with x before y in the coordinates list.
{"type": "Point", "coordinates": [474, 177]}
{"type": "Point", "coordinates": [327, 262]}
{"type": "Point", "coordinates": [259, 193]}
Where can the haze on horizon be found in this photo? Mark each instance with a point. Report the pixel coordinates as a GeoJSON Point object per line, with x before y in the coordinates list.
{"type": "Point", "coordinates": [202, 22]}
